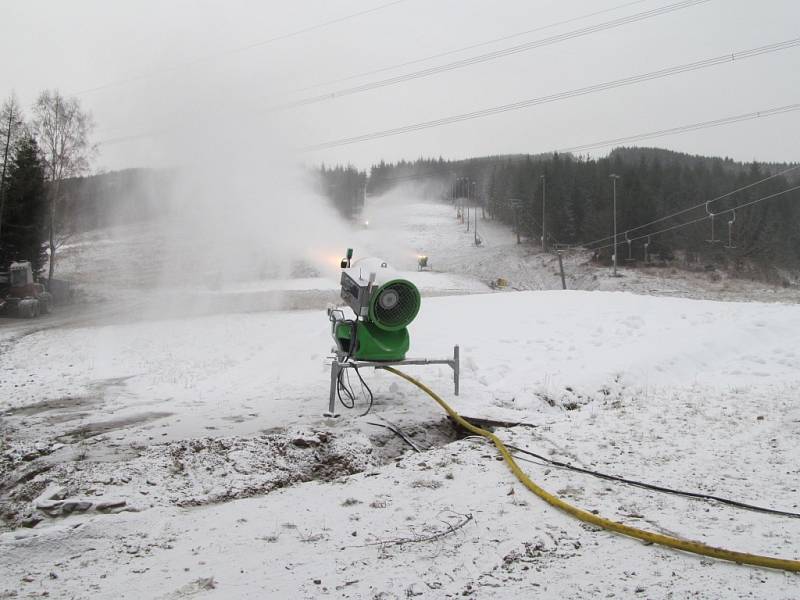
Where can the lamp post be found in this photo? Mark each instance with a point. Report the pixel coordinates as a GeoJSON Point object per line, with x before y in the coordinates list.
{"type": "Point", "coordinates": [461, 196]}
{"type": "Point", "coordinates": [614, 178]}
{"type": "Point", "coordinates": [475, 211]}
{"type": "Point", "coordinates": [466, 202]}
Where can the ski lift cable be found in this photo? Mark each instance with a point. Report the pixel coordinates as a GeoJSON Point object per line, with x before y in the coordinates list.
{"type": "Point", "coordinates": [683, 129]}
{"type": "Point", "coordinates": [704, 217]}
{"type": "Point", "coordinates": [696, 206]}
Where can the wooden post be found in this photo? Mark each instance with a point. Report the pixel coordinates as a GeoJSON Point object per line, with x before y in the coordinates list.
{"type": "Point", "coordinates": [561, 269]}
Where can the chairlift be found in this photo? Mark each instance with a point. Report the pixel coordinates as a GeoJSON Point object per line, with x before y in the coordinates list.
{"type": "Point", "coordinates": [730, 230]}
{"type": "Point", "coordinates": [646, 252]}
{"type": "Point", "coordinates": [630, 257]}
{"type": "Point", "coordinates": [713, 239]}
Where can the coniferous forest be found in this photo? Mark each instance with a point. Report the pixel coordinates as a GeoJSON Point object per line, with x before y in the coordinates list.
{"type": "Point", "coordinates": [24, 208]}
{"type": "Point", "coordinates": [651, 184]}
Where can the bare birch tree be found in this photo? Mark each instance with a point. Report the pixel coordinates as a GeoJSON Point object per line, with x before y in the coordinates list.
{"type": "Point", "coordinates": [62, 129]}
{"type": "Point", "coordinates": [11, 127]}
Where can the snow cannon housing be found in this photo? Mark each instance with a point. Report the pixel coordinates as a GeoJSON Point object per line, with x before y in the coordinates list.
{"type": "Point", "coordinates": [384, 305]}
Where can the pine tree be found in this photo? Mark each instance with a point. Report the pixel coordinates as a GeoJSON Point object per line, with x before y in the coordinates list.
{"type": "Point", "coordinates": [11, 127]}
{"type": "Point", "coordinates": [26, 209]}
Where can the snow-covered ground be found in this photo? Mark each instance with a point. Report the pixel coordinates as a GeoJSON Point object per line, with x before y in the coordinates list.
{"type": "Point", "coordinates": [188, 457]}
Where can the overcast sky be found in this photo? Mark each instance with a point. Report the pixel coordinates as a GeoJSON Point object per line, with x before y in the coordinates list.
{"type": "Point", "coordinates": [188, 78]}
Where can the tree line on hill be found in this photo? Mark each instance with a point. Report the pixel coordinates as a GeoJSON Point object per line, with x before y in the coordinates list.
{"type": "Point", "coordinates": [44, 197]}
{"type": "Point", "coordinates": [345, 187]}
{"type": "Point", "coordinates": [651, 184]}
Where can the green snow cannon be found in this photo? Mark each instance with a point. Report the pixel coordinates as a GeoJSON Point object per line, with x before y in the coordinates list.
{"type": "Point", "coordinates": [384, 306]}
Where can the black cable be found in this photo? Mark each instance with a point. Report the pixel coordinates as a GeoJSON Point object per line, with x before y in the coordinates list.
{"type": "Point", "coordinates": [349, 394]}
{"type": "Point", "coordinates": [399, 433]}
{"type": "Point", "coordinates": [656, 488]}
{"type": "Point", "coordinates": [369, 391]}
{"type": "Point", "coordinates": [340, 386]}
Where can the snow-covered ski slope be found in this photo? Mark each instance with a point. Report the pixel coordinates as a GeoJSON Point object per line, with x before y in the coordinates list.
{"type": "Point", "coordinates": [196, 461]}
{"type": "Point", "coordinates": [695, 394]}
{"type": "Point", "coordinates": [150, 264]}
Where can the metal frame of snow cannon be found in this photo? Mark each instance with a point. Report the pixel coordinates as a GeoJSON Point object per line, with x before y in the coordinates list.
{"type": "Point", "coordinates": [383, 304]}
{"type": "Point", "coordinates": [340, 362]}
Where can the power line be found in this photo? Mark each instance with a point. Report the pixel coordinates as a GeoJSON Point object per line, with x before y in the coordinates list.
{"type": "Point", "coordinates": [472, 60]}
{"type": "Point", "coordinates": [238, 50]}
{"type": "Point", "coordinates": [463, 48]}
{"type": "Point", "coordinates": [684, 128]}
{"type": "Point", "coordinates": [488, 56]}
{"type": "Point", "coordinates": [695, 207]}
{"type": "Point", "coordinates": [667, 72]}
{"type": "Point", "coordinates": [703, 218]}
{"type": "Point", "coordinates": [769, 112]}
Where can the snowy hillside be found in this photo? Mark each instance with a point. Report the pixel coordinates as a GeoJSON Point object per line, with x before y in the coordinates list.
{"type": "Point", "coordinates": [686, 393]}
{"type": "Point", "coordinates": [142, 265]}
{"type": "Point", "coordinates": [147, 455]}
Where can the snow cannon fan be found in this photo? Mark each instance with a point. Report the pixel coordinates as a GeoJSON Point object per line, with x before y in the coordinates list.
{"type": "Point", "coordinates": [384, 306]}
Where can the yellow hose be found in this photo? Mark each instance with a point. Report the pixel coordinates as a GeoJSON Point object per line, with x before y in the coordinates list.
{"type": "Point", "coordinates": [641, 534]}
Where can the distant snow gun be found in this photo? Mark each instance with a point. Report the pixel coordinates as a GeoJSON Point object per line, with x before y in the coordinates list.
{"type": "Point", "coordinates": [20, 295]}
{"type": "Point", "coordinates": [384, 305]}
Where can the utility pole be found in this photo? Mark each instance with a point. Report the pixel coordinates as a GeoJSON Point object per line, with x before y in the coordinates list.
{"type": "Point", "coordinates": [466, 181]}
{"type": "Point", "coordinates": [457, 199]}
{"type": "Point", "coordinates": [515, 205]}
{"type": "Point", "coordinates": [475, 211]}
{"type": "Point", "coordinates": [544, 203]}
{"type": "Point", "coordinates": [614, 178]}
